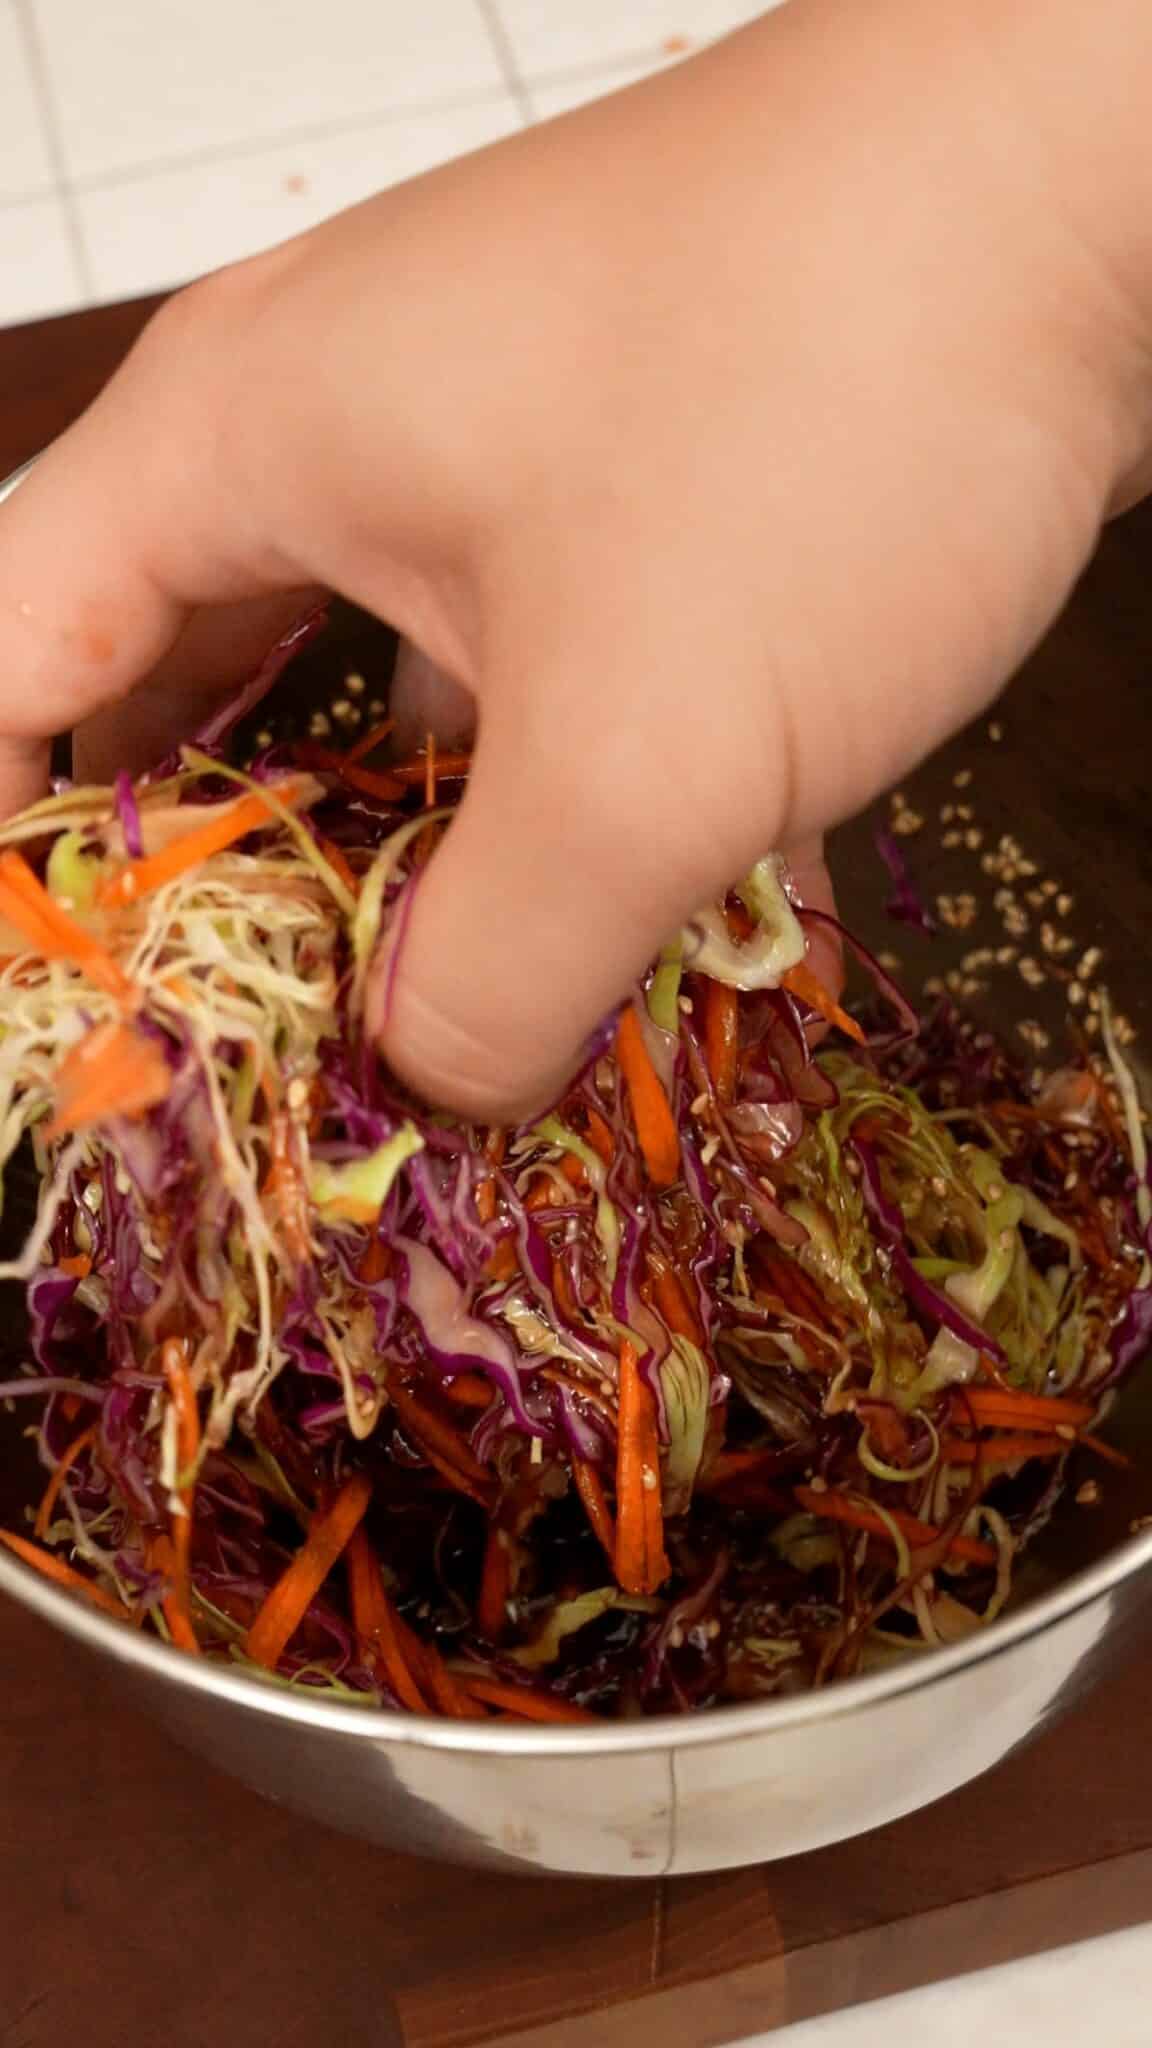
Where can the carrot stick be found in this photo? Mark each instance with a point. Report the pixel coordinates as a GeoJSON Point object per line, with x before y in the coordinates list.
{"type": "Point", "coordinates": [834, 1507]}
{"type": "Point", "coordinates": [808, 988]}
{"type": "Point", "coordinates": [53, 1567]}
{"type": "Point", "coordinates": [469, 1390]}
{"type": "Point", "coordinates": [385, 788]}
{"type": "Point", "coordinates": [234, 821]}
{"type": "Point", "coordinates": [524, 1703]}
{"type": "Point", "coordinates": [415, 770]}
{"type": "Point", "coordinates": [329, 1533]}
{"type": "Point", "coordinates": [995, 1407]}
{"type": "Point", "coordinates": [338, 859]}
{"type": "Point", "coordinates": [446, 1692]}
{"type": "Point", "coordinates": [495, 1584]}
{"type": "Point", "coordinates": [651, 1113]}
{"type": "Point", "coordinates": [183, 1397]}
{"type": "Point", "coordinates": [376, 1263]}
{"type": "Point", "coordinates": [51, 931]}
{"type": "Point", "coordinates": [370, 740]}
{"type": "Point", "coordinates": [1001, 1450]}
{"type": "Point", "coordinates": [51, 1493]}
{"type": "Point", "coordinates": [377, 1624]}
{"type": "Point", "coordinates": [114, 1070]}
{"type": "Point", "coordinates": [1108, 1452]}
{"type": "Point", "coordinates": [599, 1134]}
{"type": "Point", "coordinates": [430, 771]}
{"type": "Point", "coordinates": [434, 1434]}
{"type": "Point", "coordinates": [641, 1565]}
{"type": "Point", "coordinates": [77, 1266]}
{"type": "Point", "coordinates": [590, 1487]}
{"type": "Point", "coordinates": [722, 1038]}
{"type": "Point", "coordinates": [673, 1300]}
{"type": "Point", "coordinates": [173, 1605]}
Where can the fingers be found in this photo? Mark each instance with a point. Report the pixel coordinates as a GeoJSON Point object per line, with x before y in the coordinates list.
{"type": "Point", "coordinates": [580, 846]}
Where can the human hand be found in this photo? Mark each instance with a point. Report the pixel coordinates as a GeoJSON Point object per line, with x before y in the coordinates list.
{"type": "Point", "coordinates": [729, 442]}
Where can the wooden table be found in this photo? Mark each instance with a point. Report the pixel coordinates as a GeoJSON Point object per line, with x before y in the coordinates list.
{"type": "Point", "coordinates": [144, 1899]}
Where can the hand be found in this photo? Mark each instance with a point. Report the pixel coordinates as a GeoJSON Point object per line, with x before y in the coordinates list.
{"type": "Point", "coordinates": [729, 442]}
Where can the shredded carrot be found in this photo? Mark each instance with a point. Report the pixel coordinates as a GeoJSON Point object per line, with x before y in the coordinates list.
{"type": "Point", "coordinates": [996, 1407]}
{"type": "Point", "coordinates": [77, 1267]}
{"type": "Point", "coordinates": [377, 1624]}
{"type": "Point", "coordinates": [835, 1507]}
{"type": "Point", "coordinates": [590, 1487]}
{"type": "Point", "coordinates": [525, 1704]}
{"type": "Point", "coordinates": [329, 1533]}
{"type": "Point", "coordinates": [495, 1584]}
{"type": "Point", "coordinates": [414, 771]}
{"type": "Point", "coordinates": [444, 1690]}
{"type": "Point", "coordinates": [673, 1300]}
{"type": "Point", "coordinates": [430, 771]}
{"type": "Point", "coordinates": [1108, 1452]}
{"type": "Point", "coordinates": [722, 1038]}
{"type": "Point", "coordinates": [234, 821]}
{"type": "Point", "coordinates": [728, 1466]}
{"type": "Point", "coordinates": [439, 1440]}
{"type": "Point", "coordinates": [651, 1112]}
{"type": "Point", "coordinates": [52, 1567]}
{"type": "Point", "coordinates": [183, 1397]}
{"type": "Point", "coordinates": [285, 1189]}
{"type": "Point", "coordinates": [599, 1134]}
{"type": "Point", "coordinates": [338, 860]}
{"type": "Point", "coordinates": [114, 1070]}
{"type": "Point", "coordinates": [51, 1493]}
{"type": "Point", "coordinates": [503, 1263]}
{"type": "Point", "coordinates": [162, 1558]}
{"type": "Point", "coordinates": [385, 788]}
{"type": "Point", "coordinates": [1001, 1450]}
{"type": "Point", "coordinates": [370, 740]}
{"type": "Point", "coordinates": [641, 1565]}
{"type": "Point", "coordinates": [51, 931]}
{"type": "Point", "coordinates": [808, 988]}
{"type": "Point", "coordinates": [469, 1390]}
{"type": "Point", "coordinates": [376, 1263]}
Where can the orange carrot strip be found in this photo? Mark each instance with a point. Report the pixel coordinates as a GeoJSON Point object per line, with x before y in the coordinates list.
{"type": "Point", "coordinates": [53, 1567]}
{"type": "Point", "coordinates": [338, 860]}
{"type": "Point", "coordinates": [385, 788]}
{"type": "Point", "coordinates": [51, 931]}
{"type": "Point", "coordinates": [651, 1113]}
{"type": "Point", "coordinates": [114, 1070]}
{"type": "Point", "coordinates": [599, 1134]}
{"type": "Point", "coordinates": [434, 1434]}
{"type": "Point", "coordinates": [1108, 1452]}
{"type": "Point", "coordinates": [51, 1493]}
{"type": "Point", "coordinates": [329, 1533]}
{"type": "Point", "coordinates": [173, 1604]}
{"type": "Point", "coordinates": [673, 1300]}
{"type": "Point", "coordinates": [77, 1267]}
{"type": "Point", "coordinates": [376, 1263]}
{"type": "Point", "coordinates": [495, 1584]}
{"type": "Point", "coordinates": [370, 740]}
{"type": "Point", "coordinates": [183, 1398]}
{"type": "Point", "coordinates": [235, 821]}
{"type": "Point", "coordinates": [469, 1390]}
{"type": "Point", "coordinates": [590, 1487]}
{"type": "Point", "coordinates": [525, 1704]}
{"type": "Point", "coordinates": [1001, 1450]}
{"type": "Point", "coordinates": [415, 770]}
{"type": "Point", "coordinates": [430, 771]}
{"type": "Point", "coordinates": [376, 1623]}
{"type": "Point", "coordinates": [641, 1565]}
{"type": "Point", "coordinates": [808, 988]}
{"type": "Point", "coordinates": [722, 1038]}
{"type": "Point", "coordinates": [994, 1407]}
{"type": "Point", "coordinates": [834, 1507]}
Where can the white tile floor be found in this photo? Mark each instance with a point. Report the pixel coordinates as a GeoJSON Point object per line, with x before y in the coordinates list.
{"type": "Point", "coordinates": [143, 142]}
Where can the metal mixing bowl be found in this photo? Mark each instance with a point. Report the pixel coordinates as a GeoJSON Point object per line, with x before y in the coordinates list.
{"type": "Point", "coordinates": [737, 1785]}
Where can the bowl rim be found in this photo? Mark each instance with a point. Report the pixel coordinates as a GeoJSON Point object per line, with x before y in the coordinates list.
{"type": "Point", "coordinates": [303, 1707]}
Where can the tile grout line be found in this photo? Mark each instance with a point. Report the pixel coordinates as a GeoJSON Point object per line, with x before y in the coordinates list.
{"type": "Point", "coordinates": [505, 56]}
{"type": "Point", "coordinates": [29, 32]}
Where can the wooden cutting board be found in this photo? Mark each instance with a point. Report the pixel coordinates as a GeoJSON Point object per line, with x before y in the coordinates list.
{"type": "Point", "coordinates": [145, 1899]}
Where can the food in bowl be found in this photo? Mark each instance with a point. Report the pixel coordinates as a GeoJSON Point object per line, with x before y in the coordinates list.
{"type": "Point", "coordinates": [750, 1365]}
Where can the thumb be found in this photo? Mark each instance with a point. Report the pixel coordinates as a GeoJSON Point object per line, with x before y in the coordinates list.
{"type": "Point", "coordinates": [548, 896]}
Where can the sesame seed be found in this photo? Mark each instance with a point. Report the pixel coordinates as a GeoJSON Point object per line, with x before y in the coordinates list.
{"type": "Point", "coordinates": [1089, 962]}
{"type": "Point", "coordinates": [816, 1484]}
{"type": "Point", "coordinates": [951, 839]}
{"type": "Point", "coordinates": [995, 732]}
{"type": "Point", "coordinates": [648, 1479]}
{"type": "Point", "coordinates": [891, 961]}
{"type": "Point", "coordinates": [1064, 903]}
{"type": "Point", "coordinates": [933, 986]}
{"type": "Point", "coordinates": [1075, 993]}
{"type": "Point", "coordinates": [675, 1637]}
{"type": "Point", "coordinates": [709, 1150]}
{"type": "Point", "coordinates": [1071, 1179]}
{"type": "Point", "coordinates": [906, 822]}
{"type": "Point", "coordinates": [375, 707]}
{"type": "Point", "coordinates": [297, 1094]}
{"type": "Point", "coordinates": [355, 685]}
{"type": "Point", "coordinates": [1033, 1034]}
{"type": "Point", "coordinates": [1088, 1494]}
{"type": "Point", "coordinates": [1141, 1522]}
{"type": "Point", "coordinates": [962, 778]}
{"type": "Point", "coordinates": [965, 813]}
{"type": "Point", "coordinates": [1030, 971]}
{"type": "Point", "coordinates": [1049, 888]}
{"type": "Point", "coordinates": [263, 738]}
{"type": "Point", "coordinates": [319, 726]}
{"type": "Point", "coordinates": [684, 1005]}
{"type": "Point", "coordinates": [939, 1186]}
{"type": "Point", "coordinates": [700, 1104]}
{"type": "Point", "coordinates": [947, 813]}
{"type": "Point", "coordinates": [1122, 1030]}
{"type": "Point", "coordinates": [1005, 955]}
{"type": "Point", "coordinates": [1066, 1431]}
{"type": "Point", "coordinates": [340, 707]}
{"type": "Point", "coordinates": [973, 838]}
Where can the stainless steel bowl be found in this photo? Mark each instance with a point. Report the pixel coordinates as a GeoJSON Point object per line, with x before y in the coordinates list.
{"type": "Point", "coordinates": [671, 1795]}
